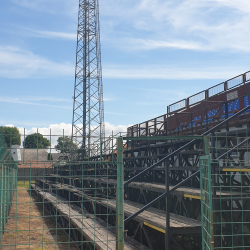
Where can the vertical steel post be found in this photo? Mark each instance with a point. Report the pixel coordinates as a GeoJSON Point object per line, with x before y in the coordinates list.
{"type": "Point", "coordinates": [206, 198]}
{"type": "Point", "coordinates": [213, 165]}
{"type": "Point", "coordinates": [191, 118]}
{"type": "Point", "coordinates": [206, 117]}
{"type": "Point", "coordinates": [201, 116]}
{"type": "Point", "coordinates": [206, 145]}
{"type": "Point", "coordinates": [167, 233]}
{"type": "Point", "coordinates": [178, 126]}
{"type": "Point", "coordinates": [112, 146]}
{"type": "Point", "coordinates": [248, 94]}
{"type": "Point", "coordinates": [226, 115]}
{"type": "Point", "coordinates": [120, 197]}
{"type": "Point", "coordinates": [1, 201]}
{"type": "Point", "coordinates": [4, 195]}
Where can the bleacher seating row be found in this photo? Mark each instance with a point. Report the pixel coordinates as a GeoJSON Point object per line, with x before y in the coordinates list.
{"type": "Point", "coordinates": [211, 114]}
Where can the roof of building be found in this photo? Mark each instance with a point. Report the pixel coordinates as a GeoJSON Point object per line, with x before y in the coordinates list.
{"type": "Point", "coordinates": [35, 164]}
{"type": "Point", "coordinates": [34, 154]}
{"type": "Point", "coordinates": [56, 156]}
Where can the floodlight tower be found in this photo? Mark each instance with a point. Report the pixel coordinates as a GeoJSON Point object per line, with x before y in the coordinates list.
{"type": "Point", "coordinates": [88, 111]}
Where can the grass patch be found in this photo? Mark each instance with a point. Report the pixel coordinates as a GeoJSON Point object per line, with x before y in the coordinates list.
{"type": "Point", "coordinates": [25, 184]}
{"type": "Point", "coordinates": [6, 235]}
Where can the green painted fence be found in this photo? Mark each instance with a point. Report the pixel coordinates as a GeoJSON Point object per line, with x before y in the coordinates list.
{"type": "Point", "coordinates": [8, 182]}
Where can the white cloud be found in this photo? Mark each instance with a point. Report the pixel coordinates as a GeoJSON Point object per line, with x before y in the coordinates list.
{"type": "Point", "coordinates": [122, 114]}
{"type": "Point", "coordinates": [9, 125]}
{"type": "Point", "coordinates": [242, 5]}
{"type": "Point", "coordinates": [53, 131]}
{"type": "Point", "coordinates": [196, 25]}
{"type": "Point", "coordinates": [18, 63]}
{"type": "Point", "coordinates": [54, 7]}
{"type": "Point", "coordinates": [53, 34]}
{"type": "Point", "coordinates": [25, 101]}
{"type": "Point", "coordinates": [147, 44]}
{"type": "Point", "coordinates": [36, 99]}
{"type": "Point", "coordinates": [44, 98]}
{"type": "Point", "coordinates": [192, 25]}
{"type": "Point", "coordinates": [26, 32]}
{"type": "Point", "coordinates": [116, 129]}
{"type": "Point", "coordinates": [169, 72]}
{"type": "Point", "coordinates": [160, 95]}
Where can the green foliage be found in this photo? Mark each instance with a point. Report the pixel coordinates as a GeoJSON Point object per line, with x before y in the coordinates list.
{"type": "Point", "coordinates": [25, 184]}
{"type": "Point", "coordinates": [64, 145]}
{"type": "Point", "coordinates": [11, 135]}
{"type": "Point", "coordinates": [50, 158]}
{"type": "Point", "coordinates": [36, 140]}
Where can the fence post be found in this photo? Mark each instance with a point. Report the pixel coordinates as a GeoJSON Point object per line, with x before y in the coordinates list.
{"type": "Point", "coordinates": [206, 145]}
{"type": "Point", "coordinates": [120, 197]}
{"type": "Point", "coordinates": [206, 185]}
{"type": "Point", "coordinates": [1, 198]}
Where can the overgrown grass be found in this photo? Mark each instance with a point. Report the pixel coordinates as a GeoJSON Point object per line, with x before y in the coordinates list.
{"type": "Point", "coordinates": [25, 184]}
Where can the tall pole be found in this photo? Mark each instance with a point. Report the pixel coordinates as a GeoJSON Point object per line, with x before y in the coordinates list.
{"type": "Point", "coordinates": [88, 110]}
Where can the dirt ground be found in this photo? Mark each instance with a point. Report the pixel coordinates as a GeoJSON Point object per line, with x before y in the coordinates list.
{"type": "Point", "coordinates": [28, 229]}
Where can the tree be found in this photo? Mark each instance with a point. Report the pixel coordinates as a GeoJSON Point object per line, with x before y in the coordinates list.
{"type": "Point", "coordinates": [11, 135]}
{"type": "Point", "coordinates": [50, 158]}
{"type": "Point", "coordinates": [36, 140]}
{"type": "Point", "coordinates": [64, 144]}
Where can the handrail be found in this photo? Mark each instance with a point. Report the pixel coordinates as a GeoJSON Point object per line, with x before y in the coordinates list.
{"type": "Point", "coordinates": [212, 91]}
{"type": "Point", "coordinates": [226, 88]}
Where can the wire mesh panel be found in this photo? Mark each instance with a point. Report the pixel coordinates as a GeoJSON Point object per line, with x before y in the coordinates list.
{"type": "Point", "coordinates": [231, 196]}
{"type": "Point", "coordinates": [8, 182]}
{"type": "Point", "coordinates": [225, 195]}
{"type": "Point", "coordinates": [58, 203]}
{"type": "Point", "coordinates": [231, 225]}
{"type": "Point", "coordinates": [206, 203]}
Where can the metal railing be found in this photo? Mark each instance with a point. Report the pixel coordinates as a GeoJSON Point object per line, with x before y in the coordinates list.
{"type": "Point", "coordinates": [197, 111]}
{"type": "Point", "coordinates": [215, 90]}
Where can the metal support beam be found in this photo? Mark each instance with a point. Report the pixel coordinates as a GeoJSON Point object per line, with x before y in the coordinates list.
{"type": "Point", "coordinates": [235, 147]}
{"type": "Point", "coordinates": [120, 197]}
{"type": "Point", "coordinates": [167, 235]}
{"type": "Point", "coordinates": [182, 147]}
{"type": "Point", "coordinates": [226, 115]}
{"type": "Point", "coordinates": [160, 197]}
{"type": "Point", "coordinates": [147, 237]}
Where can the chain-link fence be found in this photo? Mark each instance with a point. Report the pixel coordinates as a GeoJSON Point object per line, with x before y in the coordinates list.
{"type": "Point", "coordinates": [52, 203]}
{"type": "Point", "coordinates": [8, 183]}
{"type": "Point", "coordinates": [225, 192]}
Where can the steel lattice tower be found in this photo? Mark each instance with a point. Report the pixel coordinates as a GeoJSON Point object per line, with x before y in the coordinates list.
{"type": "Point", "coordinates": [88, 111]}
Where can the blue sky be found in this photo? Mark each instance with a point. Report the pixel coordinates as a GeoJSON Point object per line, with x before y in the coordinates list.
{"type": "Point", "coordinates": [153, 54]}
